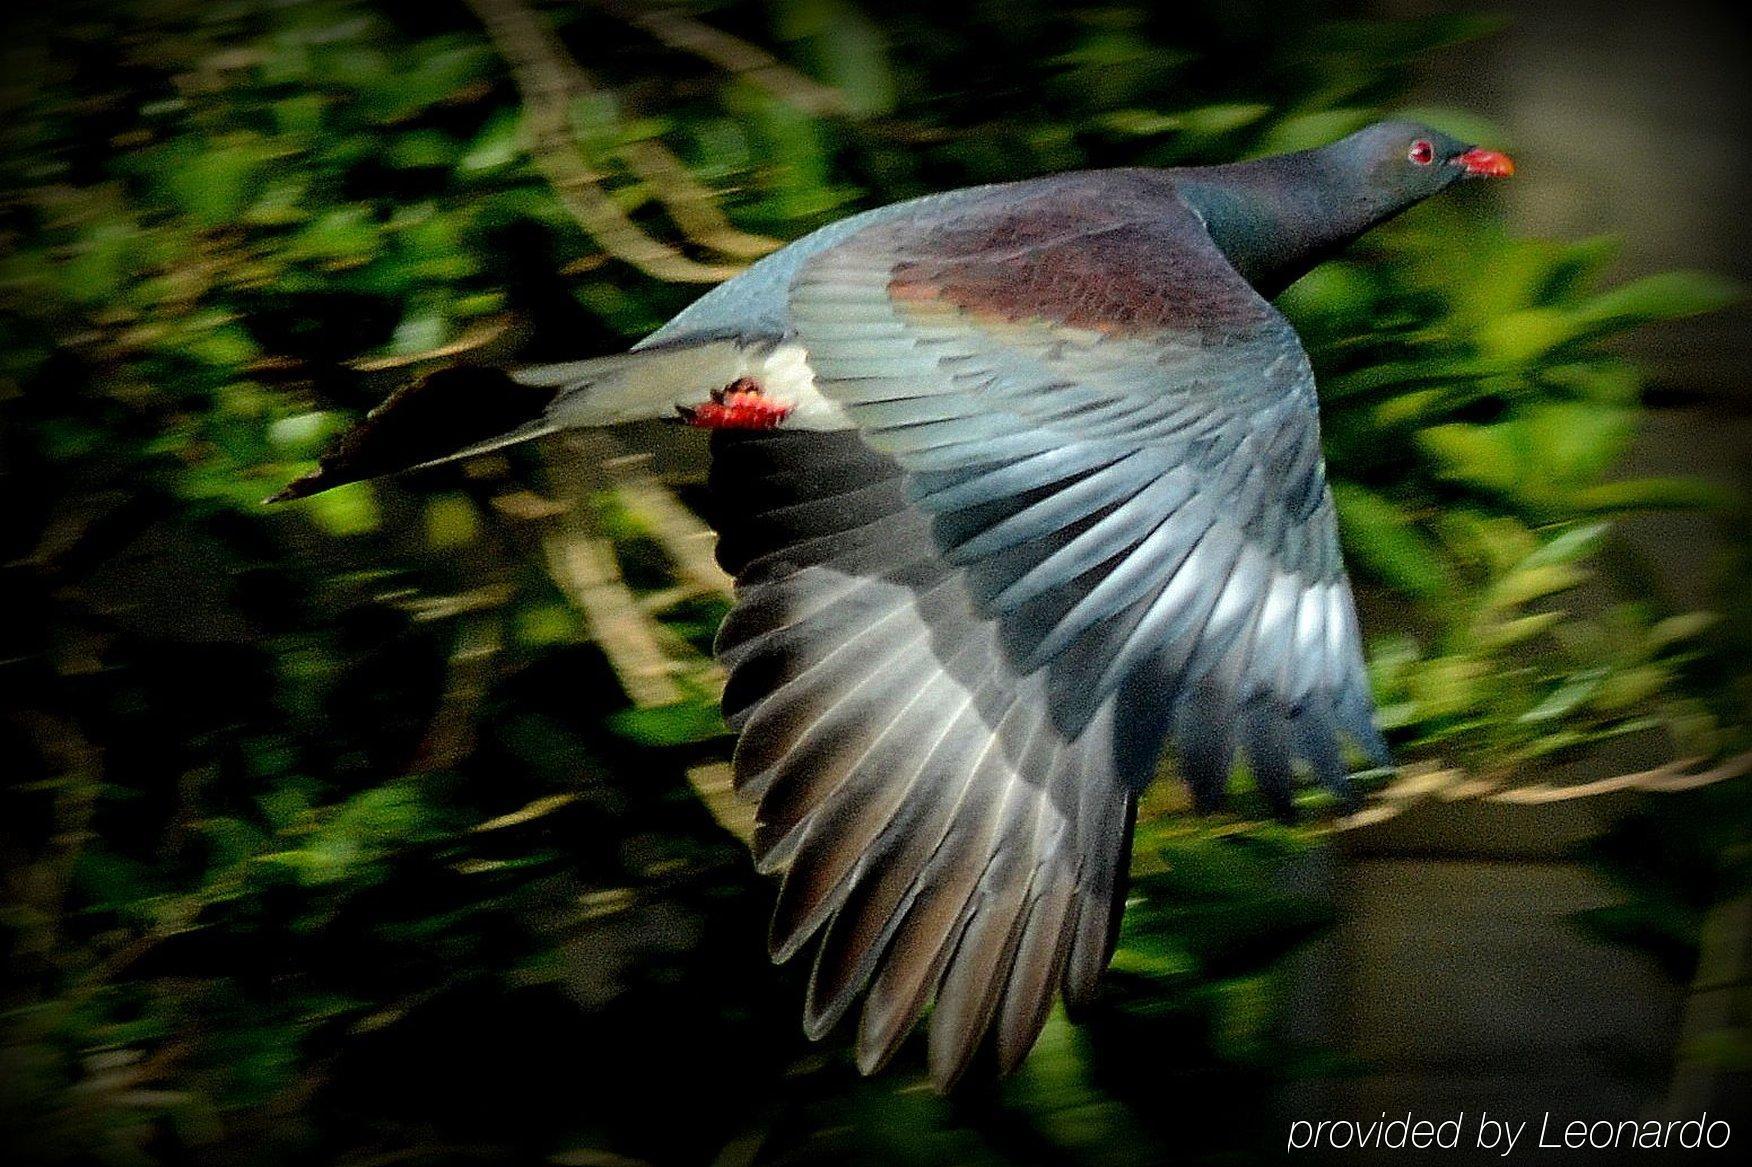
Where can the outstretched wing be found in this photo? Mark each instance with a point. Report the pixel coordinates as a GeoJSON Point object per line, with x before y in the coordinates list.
{"type": "Point", "coordinates": [1084, 509]}
{"type": "Point", "coordinates": [932, 825]}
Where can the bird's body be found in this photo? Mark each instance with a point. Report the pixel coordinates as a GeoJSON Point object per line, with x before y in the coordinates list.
{"type": "Point", "coordinates": [1018, 483]}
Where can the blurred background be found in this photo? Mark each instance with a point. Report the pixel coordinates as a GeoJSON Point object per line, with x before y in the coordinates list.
{"type": "Point", "coordinates": [392, 826]}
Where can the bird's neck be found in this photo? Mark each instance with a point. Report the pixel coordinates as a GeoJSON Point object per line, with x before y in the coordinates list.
{"type": "Point", "coordinates": [1276, 218]}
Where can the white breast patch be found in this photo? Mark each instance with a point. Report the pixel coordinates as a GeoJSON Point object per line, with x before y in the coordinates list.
{"type": "Point", "coordinates": [784, 375]}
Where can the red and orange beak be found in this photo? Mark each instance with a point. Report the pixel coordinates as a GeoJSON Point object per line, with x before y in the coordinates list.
{"type": "Point", "coordinates": [1481, 163]}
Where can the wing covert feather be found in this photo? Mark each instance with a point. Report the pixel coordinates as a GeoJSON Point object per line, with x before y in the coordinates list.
{"type": "Point", "coordinates": [1097, 412]}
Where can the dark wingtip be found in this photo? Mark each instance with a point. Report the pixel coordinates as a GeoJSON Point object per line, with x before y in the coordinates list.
{"type": "Point", "coordinates": [294, 489]}
{"type": "Point", "coordinates": [439, 415]}
{"type": "Point", "coordinates": [318, 480]}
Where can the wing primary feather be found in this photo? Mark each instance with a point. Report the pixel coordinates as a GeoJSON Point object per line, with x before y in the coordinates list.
{"type": "Point", "coordinates": [798, 686]}
{"type": "Point", "coordinates": [1105, 811]}
{"type": "Point", "coordinates": [954, 490]}
{"type": "Point", "coordinates": [844, 722]}
{"type": "Point", "coordinates": [940, 909]}
{"type": "Point", "coordinates": [1043, 941]}
{"type": "Point", "coordinates": [967, 997]}
{"type": "Point", "coordinates": [861, 929]}
{"type": "Point", "coordinates": [843, 826]}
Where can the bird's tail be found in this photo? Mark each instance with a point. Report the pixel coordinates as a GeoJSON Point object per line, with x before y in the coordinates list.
{"type": "Point", "coordinates": [458, 413]}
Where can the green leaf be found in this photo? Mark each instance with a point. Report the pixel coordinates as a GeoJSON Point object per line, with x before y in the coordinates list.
{"type": "Point", "coordinates": [304, 435]}
{"type": "Point", "coordinates": [451, 522]}
{"type": "Point", "coordinates": [1631, 687]}
{"type": "Point", "coordinates": [854, 61]}
{"type": "Point", "coordinates": [1678, 629]}
{"type": "Point", "coordinates": [1573, 442]}
{"type": "Point", "coordinates": [1446, 685]}
{"type": "Point", "coordinates": [1217, 120]}
{"type": "Point", "coordinates": [1138, 123]}
{"type": "Point", "coordinates": [1521, 337]}
{"type": "Point", "coordinates": [1384, 540]}
{"type": "Point", "coordinates": [1582, 263]}
{"type": "Point", "coordinates": [1481, 456]}
{"type": "Point", "coordinates": [498, 145]}
{"type": "Point", "coordinates": [345, 510]}
{"type": "Point", "coordinates": [1575, 543]}
{"type": "Point", "coordinates": [101, 264]}
{"type": "Point", "coordinates": [1666, 494]}
{"type": "Point", "coordinates": [1566, 697]}
{"type": "Point", "coordinates": [1496, 636]}
{"type": "Point", "coordinates": [545, 624]}
{"type": "Point", "coordinates": [345, 236]}
{"type": "Point", "coordinates": [421, 148]}
{"type": "Point", "coordinates": [682, 723]}
{"type": "Point", "coordinates": [1664, 296]}
{"type": "Point", "coordinates": [212, 182]}
{"type": "Point", "coordinates": [1307, 130]}
{"type": "Point", "coordinates": [1531, 583]}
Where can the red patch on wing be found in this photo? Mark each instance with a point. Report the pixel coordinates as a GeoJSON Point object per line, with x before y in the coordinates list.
{"type": "Point", "coordinates": [740, 405]}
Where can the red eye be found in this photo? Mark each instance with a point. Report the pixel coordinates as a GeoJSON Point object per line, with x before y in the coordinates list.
{"type": "Point", "coordinates": [1422, 152]}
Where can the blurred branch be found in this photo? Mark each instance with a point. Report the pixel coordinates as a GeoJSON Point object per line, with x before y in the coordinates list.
{"type": "Point", "coordinates": [691, 205]}
{"type": "Point", "coordinates": [478, 336]}
{"type": "Point", "coordinates": [659, 602]}
{"type": "Point", "coordinates": [529, 812]}
{"type": "Point", "coordinates": [583, 563]}
{"type": "Point", "coordinates": [644, 654]}
{"type": "Point", "coordinates": [715, 784]}
{"type": "Point", "coordinates": [69, 527]}
{"type": "Point", "coordinates": [549, 79]}
{"type": "Point", "coordinates": [79, 763]}
{"type": "Point", "coordinates": [735, 56]}
{"type": "Point", "coordinates": [1668, 779]}
{"type": "Point", "coordinates": [1416, 784]}
{"type": "Point", "coordinates": [450, 735]}
{"type": "Point", "coordinates": [688, 541]}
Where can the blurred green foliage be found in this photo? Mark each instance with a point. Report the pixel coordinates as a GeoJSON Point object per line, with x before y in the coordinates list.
{"type": "Point", "coordinates": [1475, 417]}
{"type": "Point", "coordinates": [331, 837]}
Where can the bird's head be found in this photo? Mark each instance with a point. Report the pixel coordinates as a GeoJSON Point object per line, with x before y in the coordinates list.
{"type": "Point", "coordinates": [1277, 217]}
{"type": "Point", "coordinates": [1402, 163]}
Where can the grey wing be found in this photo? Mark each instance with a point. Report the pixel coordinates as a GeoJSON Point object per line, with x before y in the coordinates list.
{"type": "Point", "coordinates": [944, 839]}
{"type": "Point", "coordinates": [1084, 509]}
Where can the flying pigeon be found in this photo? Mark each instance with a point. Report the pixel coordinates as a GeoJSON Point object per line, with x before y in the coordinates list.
{"type": "Point", "coordinates": [1019, 484]}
